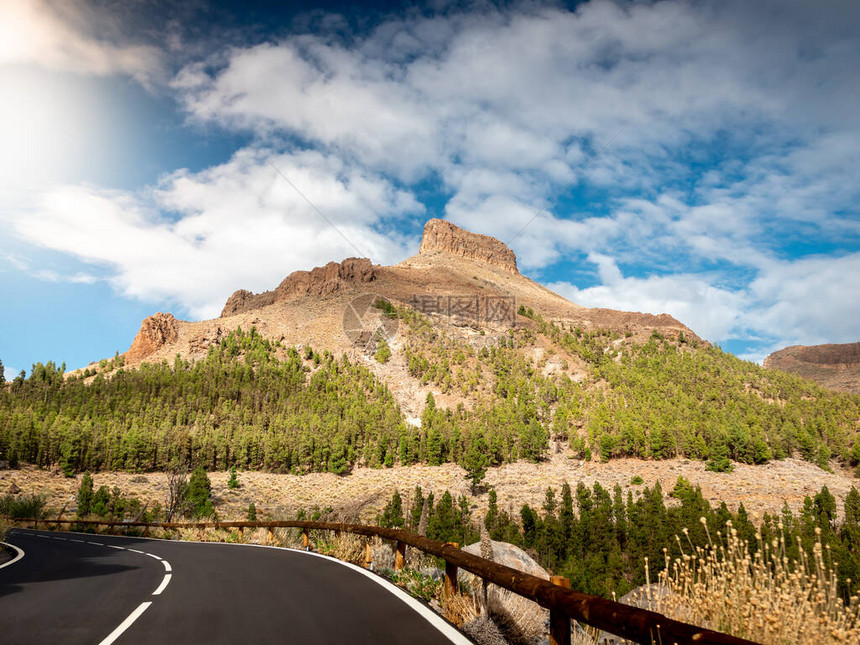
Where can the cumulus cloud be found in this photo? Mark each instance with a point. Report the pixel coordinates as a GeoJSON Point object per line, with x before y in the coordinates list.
{"type": "Point", "coordinates": [712, 312]}
{"type": "Point", "coordinates": [807, 301]}
{"type": "Point", "coordinates": [237, 225]}
{"type": "Point", "coordinates": [738, 150]}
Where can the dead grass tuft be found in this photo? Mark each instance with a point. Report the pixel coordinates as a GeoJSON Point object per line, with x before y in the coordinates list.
{"type": "Point", "coordinates": [763, 598]}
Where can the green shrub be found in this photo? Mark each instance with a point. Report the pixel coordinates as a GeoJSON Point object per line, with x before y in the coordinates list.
{"type": "Point", "coordinates": [636, 480]}
{"type": "Point", "coordinates": [383, 351]}
{"type": "Point", "coordinates": [719, 464]}
{"type": "Point", "coordinates": [24, 507]}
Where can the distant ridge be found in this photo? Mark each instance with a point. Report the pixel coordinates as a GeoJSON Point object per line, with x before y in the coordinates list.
{"type": "Point", "coordinates": [834, 366]}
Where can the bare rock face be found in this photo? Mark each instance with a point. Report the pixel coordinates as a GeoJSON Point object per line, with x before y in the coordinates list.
{"type": "Point", "coordinates": [155, 332]}
{"type": "Point", "coordinates": [444, 237]}
{"type": "Point", "coordinates": [244, 300]}
{"type": "Point", "coordinates": [323, 281]}
{"type": "Point", "coordinates": [834, 366]}
{"type": "Point", "coordinates": [320, 281]}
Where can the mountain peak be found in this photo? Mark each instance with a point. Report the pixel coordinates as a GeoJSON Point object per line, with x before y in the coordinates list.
{"type": "Point", "coordinates": [441, 236]}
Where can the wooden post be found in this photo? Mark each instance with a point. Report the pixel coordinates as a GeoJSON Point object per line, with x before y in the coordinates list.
{"type": "Point", "coordinates": [450, 587]}
{"type": "Point", "coordinates": [559, 622]}
{"type": "Point", "coordinates": [368, 556]}
{"type": "Point", "coordinates": [306, 542]}
{"type": "Point", "coordinates": [399, 556]}
{"type": "Point", "coordinates": [270, 536]}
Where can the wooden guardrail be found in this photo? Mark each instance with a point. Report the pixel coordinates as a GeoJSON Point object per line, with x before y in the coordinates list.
{"type": "Point", "coordinates": [564, 604]}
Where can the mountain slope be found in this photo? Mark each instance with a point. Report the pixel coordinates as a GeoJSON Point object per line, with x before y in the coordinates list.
{"type": "Point", "coordinates": [834, 366]}
{"type": "Point", "coordinates": [450, 356]}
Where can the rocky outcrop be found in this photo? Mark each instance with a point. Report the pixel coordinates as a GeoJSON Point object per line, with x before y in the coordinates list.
{"type": "Point", "coordinates": [321, 281]}
{"type": "Point", "coordinates": [511, 556]}
{"type": "Point", "coordinates": [847, 355]}
{"type": "Point", "coordinates": [243, 300]}
{"type": "Point", "coordinates": [444, 237]}
{"type": "Point", "coordinates": [834, 366]}
{"type": "Point", "coordinates": [514, 618]}
{"type": "Point", "coordinates": [155, 332]}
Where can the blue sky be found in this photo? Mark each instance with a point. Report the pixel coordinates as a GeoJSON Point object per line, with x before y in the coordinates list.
{"type": "Point", "coordinates": [140, 146]}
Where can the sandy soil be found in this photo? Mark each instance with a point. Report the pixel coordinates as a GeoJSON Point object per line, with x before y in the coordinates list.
{"type": "Point", "coordinates": [762, 489]}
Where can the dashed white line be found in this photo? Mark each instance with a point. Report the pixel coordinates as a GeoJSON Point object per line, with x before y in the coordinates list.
{"type": "Point", "coordinates": [168, 576]}
{"type": "Point", "coordinates": [124, 625]}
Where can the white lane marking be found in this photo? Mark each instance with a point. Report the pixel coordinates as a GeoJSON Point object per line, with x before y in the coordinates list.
{"type": "Point", "coordinates": [450, 632]}
{"type": "Point", "coordinates": [124, 625]}
{"type": "Point", "coordinates": [428, 614]}
{"type": "Point", "coordinates": [152, 555]}
{"type": "Point", "coordinates": [136, 551]}
{"type": "Point", "coordinates": [97, 543]}
{"type": "Point", "coordinates": [163, 585]}
{"type": "Point", "coordinates": [80, 541]}
{"type": "Point", "coordinates": [113, 546]}
{"type": "Point", "coordinates": [20, 554]}
{"type": "Point", "coordinates": [42, 536]}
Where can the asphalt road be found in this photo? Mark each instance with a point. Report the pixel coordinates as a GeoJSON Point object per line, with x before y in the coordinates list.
{"type": "Point", "coordinates": [75, 588]}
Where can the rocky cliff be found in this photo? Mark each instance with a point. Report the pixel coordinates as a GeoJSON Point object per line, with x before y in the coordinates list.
{"type": "Point", "coordinates": [443, 237]}
{"type": "Point", "coordinates": [321, 281]}
{"type": "Point", "coordinates": [834, 366]}
{"type": "Point", "coordinates": [452, 267]}
{"type": "Point", "coordinates": [156, 331]}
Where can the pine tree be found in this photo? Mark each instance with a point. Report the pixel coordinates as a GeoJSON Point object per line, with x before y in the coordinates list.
{"type": "Point", "coordinates": [198, 495]}
{"type": "Point", "coordinates": [392, 515]}
{"type": "Point", "coordinates": [475, 461]}
{"type": "Point", "coordinates": [85, 495]}
{"type": "Point", "coordinates": [252, 512]}
{"type": "Point", "coordinates": [233, 482]}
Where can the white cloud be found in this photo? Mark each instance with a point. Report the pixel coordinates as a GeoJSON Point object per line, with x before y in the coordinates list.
{"type": "Point", "coordinates": [70, 37]}
{"type": "Point", "coordinates": [713, 313]}
{"type": "Point", "coordinates": [739, 146]}
{"type": "Point", "coordinates": [802, 302]}
{"type": "Point", "coordinates": [507, 104]}
{"type": "Point", "coordinates": [808, 301]}
{"type": "Point", "coordinates": [238, 225]}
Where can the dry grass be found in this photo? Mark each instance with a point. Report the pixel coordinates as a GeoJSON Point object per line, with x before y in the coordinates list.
{"type": "Point", "coordinates": [363, 493]}
{"type": "Point", "coordinates": [764, 598]}
{"type": "Point", "coordinates": [521, 620]}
